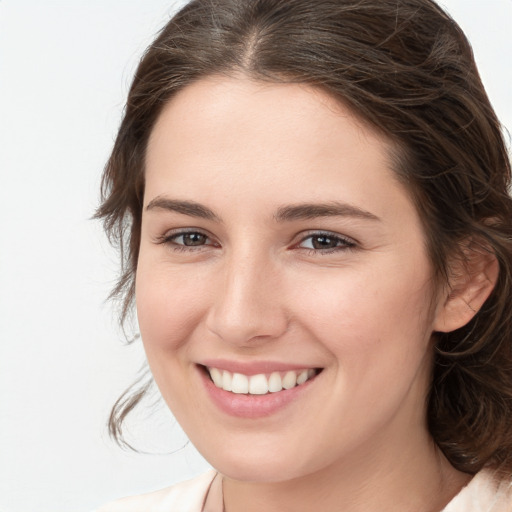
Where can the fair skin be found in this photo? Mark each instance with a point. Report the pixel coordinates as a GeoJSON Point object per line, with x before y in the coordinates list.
{"type": "Point", "coordinates": [237, 271]}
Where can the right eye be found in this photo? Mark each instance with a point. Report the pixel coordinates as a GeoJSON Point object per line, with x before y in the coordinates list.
{"type": "Point", "coordinates": [192, 239]}
{"type": "Point", "coordinates": [187, 240]}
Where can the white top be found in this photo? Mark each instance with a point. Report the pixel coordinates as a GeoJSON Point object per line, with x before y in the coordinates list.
{"type": "Point", "coordinates": [484, 493]}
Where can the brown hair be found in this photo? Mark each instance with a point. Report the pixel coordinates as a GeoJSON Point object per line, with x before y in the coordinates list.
{"type": "Point", "coordinates": [405, 67]}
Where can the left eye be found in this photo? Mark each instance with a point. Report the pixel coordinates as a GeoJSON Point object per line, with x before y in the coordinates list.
{"type": "Point", "coordinates": [325, 241]}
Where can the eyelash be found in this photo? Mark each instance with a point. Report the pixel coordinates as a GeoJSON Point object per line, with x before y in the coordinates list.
{"type": "Point", "coordinates": [342, 243]}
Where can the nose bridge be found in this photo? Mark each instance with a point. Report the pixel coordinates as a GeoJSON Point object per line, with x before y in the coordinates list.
{"type": "Point", "coordinates": [246, 304]}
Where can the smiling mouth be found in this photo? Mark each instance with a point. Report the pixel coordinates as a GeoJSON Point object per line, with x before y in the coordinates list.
{"type": "Point", "coordinates": [260, 384]}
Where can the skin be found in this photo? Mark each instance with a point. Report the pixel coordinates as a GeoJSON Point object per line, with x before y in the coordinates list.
{"type": "Point", "coordinates": [256, 288]}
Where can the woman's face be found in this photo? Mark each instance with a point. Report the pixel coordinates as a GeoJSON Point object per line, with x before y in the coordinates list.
{"type": "Point", "coordinates": [277, 244]}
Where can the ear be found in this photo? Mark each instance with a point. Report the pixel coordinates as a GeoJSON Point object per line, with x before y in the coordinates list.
{"type": "Point", "coordinates": [473, 275]}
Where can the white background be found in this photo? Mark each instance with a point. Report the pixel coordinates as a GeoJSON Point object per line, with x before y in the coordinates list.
{"type": "Point", "coordinates": [65, 67]}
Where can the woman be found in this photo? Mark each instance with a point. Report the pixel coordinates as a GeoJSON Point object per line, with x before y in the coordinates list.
{"type": "Point", "coordinates": [312, 201]}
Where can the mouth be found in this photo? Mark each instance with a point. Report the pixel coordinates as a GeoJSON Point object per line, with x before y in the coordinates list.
{"type": "Point", "coordinates": [262, 383]}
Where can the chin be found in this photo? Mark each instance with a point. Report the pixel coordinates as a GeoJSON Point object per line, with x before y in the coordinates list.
{"type": "Point", "coordinates": [259, 465]}
{"type": "Point", "coordinates": [257, 472]}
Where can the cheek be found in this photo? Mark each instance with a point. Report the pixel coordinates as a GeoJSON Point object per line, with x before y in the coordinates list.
{"type": "Point", "coordinates": [368, 316]}
{"type": "Point", "coordinates": [168, 307]}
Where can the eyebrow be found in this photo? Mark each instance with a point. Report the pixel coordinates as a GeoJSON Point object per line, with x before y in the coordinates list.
{"type": "Point", "coordinates": [190, 208]}
{"type": "Point", "coordinates": [313, 210]}
{"type": "Point", "coordinates": [286, 213]}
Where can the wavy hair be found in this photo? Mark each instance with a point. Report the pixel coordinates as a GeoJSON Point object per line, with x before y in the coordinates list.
{"type": "Point", "coordinates": [406, 68]}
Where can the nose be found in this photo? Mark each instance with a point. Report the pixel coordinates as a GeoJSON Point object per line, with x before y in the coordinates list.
{"type": "Point", "coordinates": [247, 307]}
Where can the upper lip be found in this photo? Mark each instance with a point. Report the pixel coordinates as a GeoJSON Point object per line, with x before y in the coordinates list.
{"type": "Point", "coordinates": [254, 367]}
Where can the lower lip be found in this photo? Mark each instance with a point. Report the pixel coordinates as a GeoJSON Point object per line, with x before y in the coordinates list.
{"type": "Point", "coordinates": [252, 406]}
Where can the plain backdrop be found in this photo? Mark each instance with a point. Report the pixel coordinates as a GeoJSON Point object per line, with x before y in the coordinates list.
{"type": "Point", "coordinates": [65, 68]}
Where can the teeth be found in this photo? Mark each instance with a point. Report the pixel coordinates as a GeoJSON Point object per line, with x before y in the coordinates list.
{"type": "Point", "coordinates": [240, 384]}
{"type": "Point", "coordinates": [260, 384]}
{"type": "Point", "coordinates": [275, 383]}
{"type": "Point", "coordinates": [216, 376]}
{"type": "Point", "coordinates": [227, 378]}
{"type": "Point", "coordinates": [302, 377]}
{"type": "Point", "coordinates": [290, 380]}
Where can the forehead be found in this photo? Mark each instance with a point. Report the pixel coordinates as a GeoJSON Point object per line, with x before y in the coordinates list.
{"type": "Point", "coordinates": [268, 139]}
{"type": "Point", "coordinates": [265, 107]}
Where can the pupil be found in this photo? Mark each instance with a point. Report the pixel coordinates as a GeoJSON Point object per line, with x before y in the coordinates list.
{"type": "Point", "coordinates": [323, 242]}
{"type": "Point", "coordinates": [194, 239]}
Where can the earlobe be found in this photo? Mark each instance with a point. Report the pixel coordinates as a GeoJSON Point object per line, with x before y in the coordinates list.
{"type": "Point", "coordinates": [472, 279]}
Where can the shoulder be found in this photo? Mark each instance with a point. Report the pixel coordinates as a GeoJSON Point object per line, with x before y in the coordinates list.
{"type": "Point", "coordinates": [484, 493]}
{"type": "Point", "coordinates": [186, 496]}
